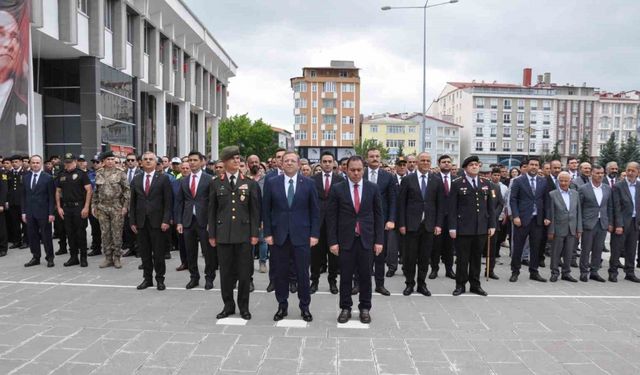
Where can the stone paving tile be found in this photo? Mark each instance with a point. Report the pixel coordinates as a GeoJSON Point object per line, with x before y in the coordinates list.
{"type": "Point", "coordinates": [279, 367]}
{"type": "Point", "coordinates": [198, 364]}
{"type": "Point", "coordinates": [510, 369]}
{"type": "Point", "coordinates": [170, 355]}
{"type": "Point", "coordinates": [122, 363]}
{"type": "Point", "coordinates": [284, 348]}
{"type": "Point", "coordinates": [147, 341]}
{"type": "Point", "coordinates": [216, 345]}
{"type": "Point", "coordinates": [33, 368]}
{"type": "Point", "coordinates": [355, 349]}
{"type": "Point", "coordinates": [33, 347]}
{"type": "Point", "coordinates": [56, 356]}
{"type": "Point", "coordinates": [357, 367]}
{"type": "Point", "coordinates": [82, 338]}
{"type": "Point", "coordinates": [8, 365]}
{"type": "Point", "coordinates": [434, 368]}
{"type": "Point", "coordinates": [318, 360]}
{"type": "Point", "coordinates": [394, 361]}
{"type": "Point", "coordinates": [584, 369]}
{"type": "Point", "coordinates": [74, 369]}
{"type": "Point", "coordinates": [244, 358]}
{"type": "Point", "coordinates": [99, 352]}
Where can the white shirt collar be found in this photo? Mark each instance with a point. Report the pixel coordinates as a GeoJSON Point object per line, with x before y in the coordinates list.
{"type": "Point", "coordinates": [351, 183]}
{"type": "Point", "coordinates": [235, 175]}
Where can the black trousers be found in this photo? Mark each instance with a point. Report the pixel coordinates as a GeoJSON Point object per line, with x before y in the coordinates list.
{"type": "Point", "coordinates": [128, 237]}
{"type": "Point", "coordinates": [40, 232]}
{"type": "Point", "coordinates": [417, 253]}
{"type": "Point", "coordinates": [355, 259]}
{"type": "Point", "coordinates": [75, 228]}
{"type": "Point", "coordinates": [18, 231]}
{"type": "Point", "coordinates": [442, 250]}
{"type": "Point", "coordinates": [236, 264]}
{"type": "Point", "coordinates": [536, 241]}
{"type": "Point", "coordinates": [96, 234]}
{"type": "Point", "coordinates": [624, 245]}
{"type": "Point", "coordinates": [151, 246]}
{"type": "Point", "coordinates": [379, 262]}
{"type": "Point", "coordinates": [320, 255]}
{"type": "Point", "coordinates": [469, 259]}
{"type": "Point", "coordinates": [193, 236]}
{"type": "Point", "coordinates": [282, 256]}
{"type": "Point", "coordinates": [59, 231]}
{"type": "Point", "coordinates": [4, 243]}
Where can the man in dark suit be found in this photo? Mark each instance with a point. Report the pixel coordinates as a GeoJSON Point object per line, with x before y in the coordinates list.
{"type": "Point", "coordinates": [37, 210]}
{"type": "Point", "coordinates": [387, 185]}
{"type": "Point", "coordinates": [355, 231]}
{"type": "Point", "coordinates": [149, 215]}
{"type": "Point", "coordinates": [626, 200]}
{"type": "Point", "coordinates": [291, 220]}
{"type": "Point", "coordinates": [17, 229]}
{"type": "Point", "coordinates": [395, 241]}
{"type": "Point", "coordinates": [420, 216]}
{"type": "Point", "coordinates": [320, 254]}
{"type": "Point", "coordinates": [597, 218]}
{"type": "Point", "coordinates": [471, 220]}
{"type": "Point", "coordinates": [443, 244]}
{"type": "Point", "coordinates": [498, 201]}
{"type": "Point", "coordinates": [612, 177]}
{"type": "Point", "coordinates": [192, 205]}
{"type": "Point", "coordinates": [128, 237]}
{"type": "Point", "coordinates": [527, 200]}
{"type": "Point", "coordinates": [234, 222]}
{"type": "Point", "coordinates": [4, 245]}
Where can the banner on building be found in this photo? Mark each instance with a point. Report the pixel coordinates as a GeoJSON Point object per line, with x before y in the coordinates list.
{"type": "Point", "coordinates": [15, 68]}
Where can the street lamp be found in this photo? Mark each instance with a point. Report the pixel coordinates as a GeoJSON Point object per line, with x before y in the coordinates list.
{"type": "Point", "coordinates": [424, 61]}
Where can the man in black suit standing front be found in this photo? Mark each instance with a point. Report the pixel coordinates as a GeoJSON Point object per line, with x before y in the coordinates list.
{"type": "Point", "coordinates": [387, 186]}
{"type": "Point", "coordinates": [420, 216]}
{"type": "Point", "coordinates": [626, 201]}
{"type": "Point", "coordinates": [149, 215]}
{"type": "Point", "coordinates": [38, 210]}
{"type": "Point", "coordinates": [355, 232]}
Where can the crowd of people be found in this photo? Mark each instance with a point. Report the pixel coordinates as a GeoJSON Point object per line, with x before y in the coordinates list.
{"type": "Point", "coordinates": [355, 219]}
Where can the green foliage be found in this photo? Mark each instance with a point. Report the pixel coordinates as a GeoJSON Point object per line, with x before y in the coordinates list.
{"type": "Point", "coordinates": [585, 154]}
{"type": "Point", "coordinates": [366, 144]}
{"type": "Point", "coordinates": [629, 151]}
{"type": "Point", "coordinates": [609, 151]}
{"type": "Point", "coordinates": [253, 137]}
{"type": "Point", "coordinates": [555, 153]}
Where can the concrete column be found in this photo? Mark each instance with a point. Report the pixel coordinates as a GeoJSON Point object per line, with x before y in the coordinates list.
{"type": "Point", "coordinates": [223, 102]}
{"type": "Point", "coordinates": [214, 137]}
{"type": "Point", "coordinates": [96, 28]}
{"type": "Point", "coordinates": [138, 47]}
{"type": "Point", "coordinates": [90, 126]}
{"type": "Point", "coordinates": [37, 13]}
{"type": "Point", "coordinates": [68, 21]}
{"type": "Point", "coordinates": [179, 85]}
{"type": "Point", "coordinates": [206, 87]}
{"type": "Point", "coordinates": [154, 60]}
{"type": "Point", "coordinates": [214, 97]}
{"type": "Point", "coordinates": [190, 81]}
{"type": "Point", "coordinates": [119, 34]}
{"type": "Point", "coordinates": [167, 79]}
{"type": "Point", "coordinates": [161, 123]}
{"type": "Point", "coordinates": [184, 128]}
{"type": "Point", "coordinates": [198, 86]}
{"type": "Point", "coordinates": [202, 132]}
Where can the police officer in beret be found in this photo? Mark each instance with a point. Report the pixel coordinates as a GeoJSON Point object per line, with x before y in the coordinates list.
{"type": "Point", "coordinates": [4, 244]}
{"type": "Point", "coordinates": [73, 198]}
{"type": "Point", "coordinates": [472, 220]}
{"type": "Point", "coordinates": [17, 229]}
{"type": "Point", "coordinates": [234, 220]}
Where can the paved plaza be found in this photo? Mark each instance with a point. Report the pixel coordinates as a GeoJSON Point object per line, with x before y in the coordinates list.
{"type": "Point", "coordinates": [90, 321]}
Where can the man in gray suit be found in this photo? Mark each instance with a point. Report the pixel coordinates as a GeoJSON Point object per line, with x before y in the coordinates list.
{"type": "Point", "coordinates": [583, 177]}
{"type": "Point", "coordinates": [566, 226]}
{"type": "Point", "coordinates": [626, 200]}
{"type": "Point", "coordinates": [596, 202]}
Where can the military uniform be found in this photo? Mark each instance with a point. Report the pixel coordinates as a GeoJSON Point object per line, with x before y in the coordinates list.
{"type": "Point", "coordinates": [72, 189]}
{"type": "Point", "coordinates": [111, 196]}
{"type": "Point", "coordinates": [59, 231]}
{"type": "Point", "coordinates": [17, 229]}
{"type": "Point", "coordinates": [4, 245]}
{"type": "Point", "coordinates": [471, 214]}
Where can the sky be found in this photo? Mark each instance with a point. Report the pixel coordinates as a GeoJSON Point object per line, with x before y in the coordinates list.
{"type": "Point", "coordinates": [592, 41]}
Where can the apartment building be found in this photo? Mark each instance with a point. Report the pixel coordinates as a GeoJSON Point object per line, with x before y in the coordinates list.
{"type": "Point", "coordinates": [283, 138]}
{"type": "Point", "coordinates": [617, 113]}
{"type": "Point", "coordinates": [326, 109]}
{"type": "Point", "coordinates": [441, 137]}
{"type": "Point", "coordinates": [124, 75]}
{"type": "Point", "coordinates": [395, 134]}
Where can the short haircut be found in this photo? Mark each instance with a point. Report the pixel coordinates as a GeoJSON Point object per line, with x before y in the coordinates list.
{"type": "Point", "coordinates": [533, 158]}
{"type": "Point", "coordinates": [291, 152]}
{"type": "Point", "coordinates": [442, 157]}
{"type": "Point", "coordinates": [495, 170]}
{"type": "Point", "coordinates": [372, 149]}
{"type": "Point", "coordinates": [597, 166]}
{"type": "Point", "coordinates": [35, 156]}
{"type": "Point", "coordinates": [279, 149]}
{"type": "Point", "coordinates": [196, 153]}
{"type": "Point", "coordinates": [327, 153]}
{"type": "Point", "coordinates": [355, 158]}
{"type": "Point", "coordinates": [343, 160]}
{"type": "Point", "coordinates": [570, 158]}
{"type": "Point", "coordinates": [132, 154]}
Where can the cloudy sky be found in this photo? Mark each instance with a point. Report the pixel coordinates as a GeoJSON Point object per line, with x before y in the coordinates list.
{"type": "Point", "coordinates": [592, 41]}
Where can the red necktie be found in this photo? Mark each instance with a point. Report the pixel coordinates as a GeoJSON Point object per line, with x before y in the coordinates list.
{"type": "Point", "coordinates": [193, 186]}
{"type": "Point", "coordinates": [356, 203]}
{"type": "Point", "coordinates": [327, 184]}
{"type": "Point", "coordinates": [446, 186]}
{"type": "Point", "coordinates": [147, 185]}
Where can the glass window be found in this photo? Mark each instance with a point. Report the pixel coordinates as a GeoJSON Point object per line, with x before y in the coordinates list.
{"type": "Point", "coordinates": [507, 104]}
{"type": "Point", "coordinates": [329, 135]}
{"type": "Point", "coordinates": [82, 6]}
{"type": "Point", "coordinates": [300, 87]}
{"type": "Point", "coordinates": [479, 102]}
{"type": "Point", "coordinates": [329, 87]}
{"type": "Point", "coordinates": [494, 103]}
{"type": "Point", "coordinates": [108, 14]}
{"type": "Point", "coordinates": [348, 87]}
{"type": "Point", "coordinates": [329, 103]}
{"type": "Point", "coordinates": [329, 119]}
{"type": "Point", "coordinates": [373, 128]}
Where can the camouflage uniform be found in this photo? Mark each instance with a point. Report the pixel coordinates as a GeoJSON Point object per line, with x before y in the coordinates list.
{"type": "Point", "coordinates": [111, 195]}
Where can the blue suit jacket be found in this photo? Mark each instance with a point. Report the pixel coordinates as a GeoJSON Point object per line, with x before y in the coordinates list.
{"type": "Point", "coordinates": [388, 187]}
{"type": "Point", "coordinates": [40, 201]}
{"type": "Point", "coordinates": [298, 222]}
{"type": "Point", "coordinates": [522, 199]}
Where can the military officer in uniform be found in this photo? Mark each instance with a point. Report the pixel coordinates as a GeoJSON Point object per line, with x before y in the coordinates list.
{"type": "Point", "coordinates": [471, 218]}
{"type": "Point", "coordinates": [3, 208]}
{"type": "Point", "coordinates": [234, 220]}
{"type": "Point", "coordinates": [17, 229]}
{"type": "Point", "coordinates": [73, 196]}
{"type": "Point", "coordinates": [110, 202]}
{"type": "Point", "coordinates": [96, 234]}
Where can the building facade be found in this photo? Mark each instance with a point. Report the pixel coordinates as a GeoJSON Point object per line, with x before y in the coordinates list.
{"type": "Point", "coordinates": [441, 137]}
{"type": "Point", "coordinates": [396, 134]}
{"type": "Point", "coordinates": [617, 113]}
{"type": "Point", "coordinates": [326, 109]}
{"type": "Point", "coordinates": [283, 138]}
{"type": "Point", "coordinates": [125, 75]}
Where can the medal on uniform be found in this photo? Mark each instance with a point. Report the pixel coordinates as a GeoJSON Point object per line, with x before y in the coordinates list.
{"type": "Point", "coordinates": [242, 197]}
{"type": "Point", "coordinates": [74, 176]}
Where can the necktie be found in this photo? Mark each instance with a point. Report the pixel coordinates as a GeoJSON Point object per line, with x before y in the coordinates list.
{"type": "Point", "coordinates": [446, 186]}
{"type": "Point", "coordinates": [533, 185]}
{"type": "Point", "coordinates": [473, 181]}
{"type": "Point", "coordinates": [130, 175]}
{"type": "Point", "coordinates": [193, 186]}
{"type": "Point", "coordinates": [232, 181]}
{"type": "Point", "coordinates": [613, 182]}
{"type": "Point", "coordinates": [290, 192]}
{"type": "Point", "coordinates": [423, 186]}
{"type": "Point", "coordinates": [356, 204]}
{"type": "Point", "coordinates": [147, 184]}
{"type": "Point", "coordinates": [34, 181]}
{"type": "Point", "coordinates": [374, 177]}
{"type": "Point", "coordinates": [327, 184]}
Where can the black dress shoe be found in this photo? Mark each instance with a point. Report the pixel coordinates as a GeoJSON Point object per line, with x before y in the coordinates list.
{"type": "Point", "coordinates": [71, 262]}
{"type": "Point", "coordinates": [161, 285]}
{"type": "Point", "coordinates": [306, 315]}
{"type": "Point", "coordinates": [208, 284]}
{"type": "Point", "coordinates": [128, 253]}
{"type": "Point", "coordinates": [553, 278]}
{"type": "Point", "coordinates": [633, 278]}
{"type": "Point", "coordinates": [224, 313]}
{"type": "Point", "coordinates": [572, 280]}
{"type": "Point", "coordinates": [479, 291]}
{"type": "Point", "coordinates": [23, 246]}
{"type": "Point", "coordinates": [15, 245]}
{"type": "Point", "coordinates": [407, 291]}
{"type": "Point", "coordinates": [451, 275]}
{"type": "Point", "coordinates": [458, 291]}
{"type": "Point", "coordinates": [613, 278]}
{"type": "Point", "coordinates": [433, 275]}
{"type": "Point", "coordinates": [314, 287]}
{"type": "Point", "coordinates": [365, 318]}
{"type": "Point", "coordinates": [3, 253]}
{"type": "Point", "coordinates": [167, 255]}
{"type": "Point", "coordinates": [344, 316]}
{"type": "Point", "coordinates": [293, 288]}
{"type": "Point", "coordinates": [144, 284]}
{"type": "Point", "coordinates": [61, 252]}
{"type": "Point", "coordinates": [513, 278]}
{"type": "Point", "coordinates": [390, 273]}
{"type": "Point", "coordinates": [422, 289]}
{"type": "Point", "coordinates": [333, 288]}
{"type": "Point", "coordinates": [32, 262]}
{"type": "Point", "coordinates": [83, 261]}
{"type": "Point", "coordinates": [50, 263]}
{"type": "Point", "coordinates": [280, 314]}
{"type": "Point", "coordinates": [541, 264]}
{"type": "Point", "coordinates": [525, 262]}
{"type": "Point", "coordinates": [140, 266]}
{"type": "Point", "coordinates": [382, 290]}
{"type": "Point", "coordinates": [271, 287]}
{"type": "Point", "coordinates": [94, 252]}
{"type": "Point", "coordinates": [192, 284]}
{"type": "Point", "coordinates": [584, 278]}
{"type": "Point", "coordinates": [574, 264]}
{"type": "Point", "coordinates": [182, 267]}
{"type": "Point", "coordinates": [597, 278]}
{"type": "Point", "coordinates": [251, 286]}
{"type": "Point", "coordinates": [355, 290]}
{"type": "Point", "coordinates": [245, 315]}
{"type": "Point", "coordinates": [536, 277]}
{"type": "Point", "coordinates": [493, 276]}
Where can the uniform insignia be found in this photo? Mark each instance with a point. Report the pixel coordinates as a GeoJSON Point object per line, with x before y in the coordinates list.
{"type": "Point", "coordinates": [242, 197]}
{"type": "Point", "coordinates": [485, 188]}
{"type": "Point", "coordinates": [463, 190]}
{"type": "Point", "coordinates": [74, 176]}
{"type": "Point", "coordinates": [243, 187]}
{"type": "Point", "coordinates": [4, 177]}
{"type": "Point", "coordinates": [63, 179]}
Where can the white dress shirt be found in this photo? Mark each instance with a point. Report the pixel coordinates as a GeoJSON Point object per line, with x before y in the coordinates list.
{"type": "Point", "coordinates": [597, 190]}
{"type": "Point", "coordinates": [447, 181]}
{"type": "Point", "coordinates": [373, 175]}
{"type": "Point", "coordinates": [351, 183]}
{"type": "Point", "coordinates": [198, 175]}
{"type": "Point", "coordinates": [286, 183]}
{"type": "Point", "coordinates": [632, 190]}
{"type": "Point", "coordinates": [566, 197]}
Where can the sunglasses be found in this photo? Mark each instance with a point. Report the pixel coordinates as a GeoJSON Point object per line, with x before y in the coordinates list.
{"type": "Point", "coordinates": [131, 159]}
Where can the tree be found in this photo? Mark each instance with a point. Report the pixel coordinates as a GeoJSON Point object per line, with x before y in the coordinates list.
{"type": "Point", "coordinates": [365, 144]}
{"type": "Point", "coordinates": [609, 151]}
{"type": "Point", "coordinates": [555, 154]}
{"type": "Point", "coordinates": [585, 154]}
{"type": "Point", "coordinates": [400, 150]}
{"type": "Point", "coordinates": [629, 151]}
{"type": "Point", "coordinates": [253, 137]}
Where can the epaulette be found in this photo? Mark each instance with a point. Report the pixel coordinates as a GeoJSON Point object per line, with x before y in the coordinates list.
{"type": "Point", "coordinates": [456, 179]}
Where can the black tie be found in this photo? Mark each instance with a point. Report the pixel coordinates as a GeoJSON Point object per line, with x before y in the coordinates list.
{"type": "Point", "coordinates": [232, 181]}
{"type": "Point", "coordinates": [474, 183]}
